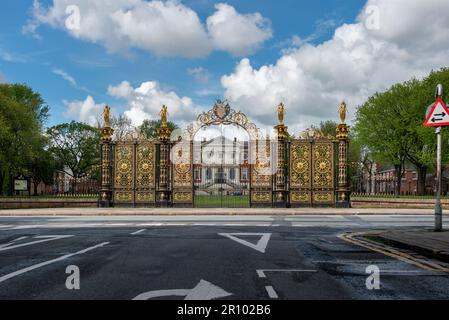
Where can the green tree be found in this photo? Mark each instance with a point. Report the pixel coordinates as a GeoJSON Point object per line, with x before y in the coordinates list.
{"type": "Point", "coordinates": [42, 169]}
{"type": "Point", "coordinates": [23, 113]}
{"type": "Point", "coordinates": [390, 125]}
{"type": "Point", "coordinates": [75, 146]}
{"type": "Point", "coordinates": [122, 125]}
{"type": "Point", "coordinates": [328, 128]}
{"type": "Point", "coordinates": [380, 127]}
{"type": "Point", "coordinates": [149, 127]}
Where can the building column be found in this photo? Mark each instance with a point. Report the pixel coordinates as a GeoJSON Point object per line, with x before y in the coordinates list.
{"type": "Point", "coordinates": [343, 191]}
{"type": "Point", "coordinates": [280, 198]}
{"type": "Point", "coordinates": [164, 132]}
{"type": "Point", "coordinates": [105, 192]}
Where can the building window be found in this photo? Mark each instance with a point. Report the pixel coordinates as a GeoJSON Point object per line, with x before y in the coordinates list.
{"type": "Point", "coordinates": [208, 174]}
{"type": "Point", "coordinates": [197, 174]}
{"type": "Point", "coordinates": [232, 174]}
{"type": "Point", "coordinates": [245, 174]}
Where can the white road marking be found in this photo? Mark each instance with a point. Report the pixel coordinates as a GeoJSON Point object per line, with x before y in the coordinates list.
{"type": "Point", "coordinates": [138, 231]}
{"type": "Point", "coordinates": [271, 293]}
{"type": "Point", "coordinates": [43, 264]}
{"type": "Point", "coordinates": [6, 225]}
{"type": "Point", "coordinates": [44, 239]}
{"type": "Point", "coordinates": [261, 244]}
{"type": "Point", "coordinates": [150, 224]}
{"type": "Point", "coordinates": [204, 290]}
{"type": "Point", "coordinates": [11, 242]}
{"type": "Point", "coordinates": [234, 225]}
{"type": "Point", "coordinates": [261, 273]}
{"type": "Point", "coordinates": [204, 224]}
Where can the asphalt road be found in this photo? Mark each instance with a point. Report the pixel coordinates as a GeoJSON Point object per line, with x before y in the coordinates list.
{"type": "Point", "coordinates": [226, 257]}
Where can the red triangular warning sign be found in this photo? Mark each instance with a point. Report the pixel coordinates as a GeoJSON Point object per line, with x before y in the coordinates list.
{"type": "Point", "coordinates": [438, 115]}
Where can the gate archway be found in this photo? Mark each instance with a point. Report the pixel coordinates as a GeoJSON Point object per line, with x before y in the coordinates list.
{"type": "Point", "coordinates": [241, 181]}
{"type": "Point", "coordinates": [221, 176]}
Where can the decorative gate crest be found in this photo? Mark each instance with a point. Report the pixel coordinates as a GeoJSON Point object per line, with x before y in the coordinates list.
{"type": "Point", "coordinates": [222, 113]}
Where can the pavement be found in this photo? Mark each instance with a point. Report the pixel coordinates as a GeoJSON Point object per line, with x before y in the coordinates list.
{"type": "Point", "coordinates": [269, 257]}
{"type": "Point", "coordinates": [426, 242]}
{"type": "Point", "coordinates": [211, 211]}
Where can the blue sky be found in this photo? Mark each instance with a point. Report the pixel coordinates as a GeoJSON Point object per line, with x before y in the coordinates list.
{"type": "Point", "coordinates": [67, 69]}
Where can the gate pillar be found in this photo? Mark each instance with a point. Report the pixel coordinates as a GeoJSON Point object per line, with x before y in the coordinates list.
{"type": "Point", "coordinates": [343, 192]}
{"type": "Point", "coordinates": [280, 197]}
{"type": "Point", "coordinates": [163, 191]}
{"type": "Point", "coordinates": [105, 192]}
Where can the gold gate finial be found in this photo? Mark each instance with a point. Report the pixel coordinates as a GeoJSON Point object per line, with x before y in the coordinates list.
{"type": "Point", "coordinates": [342, 110]}
{"type": "Point", "coordinates": [281, 113]}
{"type": "Point", "coordinates": [163, 115]}
{"type": "Point", "coordinates": [107, 116]}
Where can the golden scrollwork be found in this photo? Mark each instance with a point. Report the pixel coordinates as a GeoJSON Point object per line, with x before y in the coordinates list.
{"type": "Point", "coordinates": [145, 177]}
{"type": "Point", "coordinates": [222, 113]}
{"type": "Point", "coordinates": [261, 196]}
{"type": "Point", "coordinates": [323, 171]}
{"type": "Point", "coordinates": [300, 197]}
{"type": "Point", "coordinates": [124, 166]}
{"type": "Point", "coordinates": [182, 197]}
{"type": "Point", "coordinates": [181, 156]}
{"type": "Point", "coordinates": [323, 197]}
{"type": "Point", "coordinates": [312, 170]}
{"type": "Point", "coordinates": [300, 165]}
{"type": "Point", "coordinates": [123, 196]}
{"type": "Point", "coordinates": [145, 196]}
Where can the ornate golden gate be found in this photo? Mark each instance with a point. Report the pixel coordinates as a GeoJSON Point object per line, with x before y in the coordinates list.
{"type": "Point", "coordinates": [311, 170]}
{"type": "Point", "coordinates": [134, 173]}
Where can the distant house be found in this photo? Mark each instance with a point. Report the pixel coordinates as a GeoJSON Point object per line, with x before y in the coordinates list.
{"type": "Point", "coordinates": [221, 165]}
{"type": "Point", "coordinates": [383, 181]}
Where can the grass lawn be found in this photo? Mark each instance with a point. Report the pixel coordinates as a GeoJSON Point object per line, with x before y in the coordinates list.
{"type": "Point", "coordinates": [221, 201]}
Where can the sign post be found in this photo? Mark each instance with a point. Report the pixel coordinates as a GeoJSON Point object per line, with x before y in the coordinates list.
{"type": "Point", "coordinates": [438, 208]}
{"type": "Point", "coordinates": [438, 117]}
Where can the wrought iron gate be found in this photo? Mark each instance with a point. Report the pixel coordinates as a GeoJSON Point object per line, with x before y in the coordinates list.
{"type": "Point", "coordinates": [299, 172]}
{"type": "Point", "coordinates": [221, 179]}
{"type": "Point", "coordinates": [312, 172]}
{"type": "Point", "coordinates": [134, 173]}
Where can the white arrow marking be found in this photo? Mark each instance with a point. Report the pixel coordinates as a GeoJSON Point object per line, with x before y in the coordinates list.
{"type": "Point", "coordinates": [9, 246]}
{"type": "Point", "coordinates": [204, 290]}
{"type": "Point", "coordinates": [261, 244]}
{"type": "Point", "coordinates": [11, 242]}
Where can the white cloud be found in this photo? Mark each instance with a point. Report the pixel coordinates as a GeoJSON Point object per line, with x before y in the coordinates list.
{"type": "Point", "coordinates": [354, 64]}
{"type": "Point", "coordinates": [145, 101]}
{"type": "Point", "coordinates": [199, 74]}
{"type": "Point", "coordinates": [239, 34]}
{"type": "Point", "coordinates": [65, 76]}
{"type": "Point", "coordinates": [71, 80]}
{"type": "Point", "coordinates": [165, 28]}
{"type": "Point", "coordinates": [85, 111]}
{"type": "Point", "coordinates": [10, 57]}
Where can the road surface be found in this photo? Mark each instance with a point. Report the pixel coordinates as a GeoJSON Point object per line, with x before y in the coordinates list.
{"type": "Point", "coordinates": [206, 257]}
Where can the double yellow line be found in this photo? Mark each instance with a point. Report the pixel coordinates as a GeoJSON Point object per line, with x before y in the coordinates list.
{"type": "Point", "coordinates": [355, 238]}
